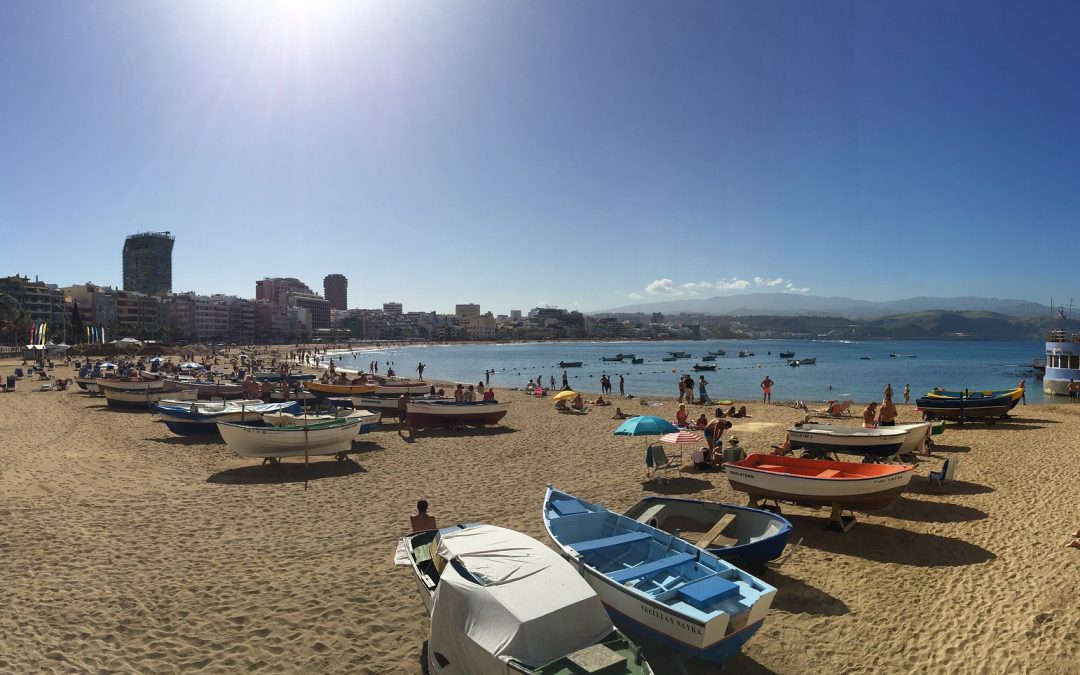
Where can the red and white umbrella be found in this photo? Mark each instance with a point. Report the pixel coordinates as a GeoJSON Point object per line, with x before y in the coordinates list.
{"type": "Point", "coordinates": [684, 437]}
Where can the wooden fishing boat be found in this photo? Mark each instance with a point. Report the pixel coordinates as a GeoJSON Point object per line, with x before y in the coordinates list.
{"type": "Point", "coordinates": [738, 534]}
{"type": "Point", "coordinates": [703, 366]}
{"type": "Point", "coordinates": [708, 358]}
{"type": "Point", "coordinates": [787, 355]}
{"type": "Point", "coordinates": [745, 353]}
{"type": "Point", "coordinates": [611, 358]}
{"type": "Point", "coordinates": [208, 390]}
{"type": "Point", "coordinates": [201, 417]}
{"type": "Point", "coordinates": [718, 352]}
{"type": "Point", "coordinates": [670, 358]}
{"type": "Point", "coordinates": [390, 386]}
{"type": "Point", "coordinates": [501, 602]}
{"type": "Point", "coordinates": [141, 398]}
{"type": "Point", "coordinates": [819, 482]}
{"type": "Point", "coordinates": [620, 355]}
{"type": "Point", "coordinates": [918, 437]}
{"type": "Point", "coordinates": [637, 360]}
{"type": "Point", "coordinates": [655, 582]}
{"type": "Point", "coordinates": [131, 384]}
{"type": "Point", "coordinates": [680, 355]}
{"type": "Point", "coordinates": [329, 437]}
{"type": "Point", "coordinates": [272, 376]}
{"type": "Point", "coordinates": [829, 438]}
{"type": "Point", "coordinates": [426, 414]}
{"type": "Point", "coordinates": [1014, 394]}
{"type": "Point", "coordinates": [284, 418]}
{"type": "Point", "coordinates": [320, 390]}
{"type": "Point", "coordinates": [569, 364]}
{"type": "Point", "coordinates": [965, 407]}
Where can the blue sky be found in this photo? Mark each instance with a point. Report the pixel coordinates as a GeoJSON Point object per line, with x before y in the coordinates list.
{"type": "Point", "coordinates": [586, 155]}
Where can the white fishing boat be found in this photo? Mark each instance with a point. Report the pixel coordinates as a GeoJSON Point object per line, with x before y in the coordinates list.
{"type": "Point", "coordinates": [819, 482]}
{"type": "Point", "coordinates": [141, 398]}
{"type": "Point", "coordinates": [201, 417]}
{"type": "Point", "coordinates": [446, 413]}
{"type": "Point", "coordinates": [877, 443]}
{"type": "Point", "coordinates": [502, 603]}
{"type": "Point", "coordinates": [329, 437]}
{"type": "Point", "coordinates": [392, 386]}
{"type": "Point", "coordinates": [917, 439]}
{"type": "Point", "coordinates": [368, 419]}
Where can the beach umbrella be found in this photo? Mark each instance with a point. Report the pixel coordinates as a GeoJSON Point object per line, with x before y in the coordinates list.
{"type": "Point", "coordinates": [563, 395]}
{"type": "Point", "coordinates": [684, 437]}
{"type": "Point", "coordinates": [108, 365]}
{"type": "Point", "coordinates": [189, 366]}
{"type": "Point", "coordinates": [156, 359]}
{"type": "Point", "coordinates": [645, 425]}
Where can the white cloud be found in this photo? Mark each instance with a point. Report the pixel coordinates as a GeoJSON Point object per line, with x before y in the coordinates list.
{"type": "Point", "coordinates": [667, 287]}
{"type": "Point", "coordinates": [662, 287]}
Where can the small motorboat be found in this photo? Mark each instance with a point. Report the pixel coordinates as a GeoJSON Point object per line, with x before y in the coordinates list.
{"type": "Point", "coordinates": [819, 482]}
{"type": "Point", "coordinates": [424, 414]}
{"type": "Point", "coordinates": [738, 534]}
{"type": "Point", "coordinates": [966, 406]}
{"type": "Point", "coordinates": [321, 390]}
{"type": "Point", "coordinates": [611, 358]}
{"type": "Point", "coordinates": [708, 358]}
{"type": "Point", "coordinates": [787, 355]}
{"type": "Point", "coordinates": [744, 353]}
{"type": "Point", "coordinates": [703, 366]}
{"type": "Point", "coordinates": [680, 355]}
{"type": "Point", "coordinates": [327, 437]}
{"type": "Point", "coordinates": [670, 358]}
{"type": "Point", "coordinates": [502, 602]}
{"type": "Point", "coordinates": [655, 582]}
{"type": "Point", "coordinates": [569, 364]}
{"type": "Point", "coordinates": [808, 362]}
{"type": "Point", "coordinates": [718, 352]}
{"type": "Point", "coordinates": [637, 360]}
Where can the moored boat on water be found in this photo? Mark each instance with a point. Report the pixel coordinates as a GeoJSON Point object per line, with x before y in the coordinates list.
{"type": "Point", "coordinates": [738, 534]}
{"type": "Point", "coordinates": [501, 602]}
{"type": "Point", "coordinates": [637, 360]}
{"type": "Point", "coordinates": [703, 366]}
{"type": "Point", "coordinates": [611, 358]}
{"type": "Point", "coordinates": [656, 583]}
{"type": "Point", "coordinates": [787, 355]}
{"type": "Point", "coordinates": [819, 482]}
{"type": "Point", "coordinates": [569, 364]}
{"type": "Point", "coordinates": [425, 414]}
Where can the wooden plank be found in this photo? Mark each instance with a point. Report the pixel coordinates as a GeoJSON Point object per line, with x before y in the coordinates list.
{"type": "Point", "coordinates": [714, 534]}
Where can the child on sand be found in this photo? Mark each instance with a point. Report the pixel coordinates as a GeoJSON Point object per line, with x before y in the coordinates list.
{"type": "Point", "coordinates": [422, 521]}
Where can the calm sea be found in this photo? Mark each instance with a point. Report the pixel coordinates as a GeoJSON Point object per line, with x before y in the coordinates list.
{"type": "Point", "coordinates": [923, 364]}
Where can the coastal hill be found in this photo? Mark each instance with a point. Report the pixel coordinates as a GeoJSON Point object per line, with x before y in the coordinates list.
{"type": "Point", "coordinates": [790, 303]}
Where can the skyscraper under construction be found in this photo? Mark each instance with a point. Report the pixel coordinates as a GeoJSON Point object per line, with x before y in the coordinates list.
{"type": "Point", "coordinates": [148, 262]}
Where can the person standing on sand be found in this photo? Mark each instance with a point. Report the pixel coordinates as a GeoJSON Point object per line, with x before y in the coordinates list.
{"type": "Point", "coordinates": [552, 380]}
{"type": "Point", "coordinates": [1023, 391]}
{"type": "Point", "coordinates": [420, 370]}
{"type": "Point", "coordinates": [622, 386]}
{"type": "Point", "coordinates": [888, 392]}
{"type": "Point", "coordinates": [682, 389]}
{"type": "Point", "coordinates": [703, 396]}
{"type": "Point", "coordinates": [887, 414]}
{"type": "Point", "coordinates": [1074, 390]}
{"type": "Point", "coordinates": [766, 390]}
{"type": "Point", "coordinates": [565, 381]}
{"type": "Point", "coordinates": [907, 394]}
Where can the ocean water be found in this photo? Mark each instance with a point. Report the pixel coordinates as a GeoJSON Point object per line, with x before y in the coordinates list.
{"type": "Point", "coordinates": [923, 364]}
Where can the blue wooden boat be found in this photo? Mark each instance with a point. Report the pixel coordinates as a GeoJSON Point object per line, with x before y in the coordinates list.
{"type": "Point", "coordinates": [965, 406]}
{"type": "Point", "coordinates": [1015, 394]}
{"type": "Point", "coordinates": [738, 534]}
{"type": "Point", "coordinates": [186, 419]}
{"type": "Point", "coordinates": [655, 583]}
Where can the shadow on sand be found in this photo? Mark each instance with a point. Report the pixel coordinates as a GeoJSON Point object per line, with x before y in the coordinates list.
{"type": "Point", "coordinates": [676, 485]}
{"type": "Point", "coordinates": [200, 439]}
{"type": "Point", "coordinates": [921, 485]}
{"type": "Point", "coordinates": [798, 597]}
{"type": "Point", "coordinates": [950, 448]}
{"type": "Point", "coordinates": [931, 512]}
{"type": "Point", "coordinates": [286, 472]}
{"type": "Point", "coordinates": [884, 544]}
{"type": "Point", "coordinates": [434, 432]}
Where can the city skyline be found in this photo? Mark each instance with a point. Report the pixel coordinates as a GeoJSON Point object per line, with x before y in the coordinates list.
{"type": "Point", "coordinates": [515, 156]}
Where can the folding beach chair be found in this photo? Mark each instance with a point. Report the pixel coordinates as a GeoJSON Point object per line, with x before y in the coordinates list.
{"type": "Point", "coordinates": [661, 461]}
{"type": "Point", "coordinates": [948, 470]}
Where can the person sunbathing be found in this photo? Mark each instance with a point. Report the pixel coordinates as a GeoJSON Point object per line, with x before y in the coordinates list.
{"type": "Point", "coordinates": [600, 401]}
{"type": "Point", "coordinates": [620, 415]}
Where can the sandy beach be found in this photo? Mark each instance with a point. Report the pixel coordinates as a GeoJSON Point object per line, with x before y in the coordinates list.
{"type": "Point", "coordinates": [126, 548]}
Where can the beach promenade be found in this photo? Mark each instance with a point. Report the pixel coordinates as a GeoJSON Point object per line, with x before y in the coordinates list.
{"type": "Point", "coordinates": [126, 548]}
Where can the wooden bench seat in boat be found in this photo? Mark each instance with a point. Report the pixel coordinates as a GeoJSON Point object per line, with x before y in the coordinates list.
{"type": "Point", "coordinates": [829, 473]}
{"type": "Point", "coordinates": [704, 592]}
{"type": "Point", "coordinates": [639, 571]}
{"type": "Point", "coordinates": [768, 467]}
{"type": "Point", "coordinates": [568, 507]}
{"type": "Point", "coordinates": [714, 534]}
{"type": "Point", "coordinates": [608, 542]}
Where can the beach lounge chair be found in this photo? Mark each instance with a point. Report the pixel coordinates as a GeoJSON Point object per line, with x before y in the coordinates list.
{"type": "Point", "coordinates": [661, 461]}
{"type": "Point", "coordinates": [948, 470]}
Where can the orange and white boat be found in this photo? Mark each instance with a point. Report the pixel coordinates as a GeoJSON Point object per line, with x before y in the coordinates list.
{"type": "Point", "coordinates": [819, 482]}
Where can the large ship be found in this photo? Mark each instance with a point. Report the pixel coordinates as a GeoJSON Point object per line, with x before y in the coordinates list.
{"type": "Point", "coordinates": [1062, 361]}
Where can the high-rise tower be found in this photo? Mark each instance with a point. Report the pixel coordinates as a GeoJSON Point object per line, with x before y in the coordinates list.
{"type": "Point", "coordinates": [148, 262]}
{"type": "Point", "coordinates": [336, 290]}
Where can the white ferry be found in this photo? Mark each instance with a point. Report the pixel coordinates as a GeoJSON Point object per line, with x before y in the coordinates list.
{"type": "Point", "coordinates": [1062, 361]}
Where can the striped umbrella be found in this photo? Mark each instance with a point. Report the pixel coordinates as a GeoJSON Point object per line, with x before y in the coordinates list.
{"type": "Point", "coordinates": [684, 437]}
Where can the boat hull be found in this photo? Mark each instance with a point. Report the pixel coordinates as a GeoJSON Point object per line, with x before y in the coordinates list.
{"type": "Point", "coordinates": [142, 400]}
{"type": "Point", "coordinates": [270, 441]}
{"type": "Point", "coordinates": [208, 390]}
{"type": "Point", "coordinates": [758, 535]}
{"type": "Point", "coordinates": [396, 388]}
{"type": "Point", "coordinates": [952, 408]}
{"type": "Point", "coordinates": [320, 390]}
{"type": "Point", "coordinates": [430, 414]}
{"type": "Point", "coordinates": [862, 486]}
{"type": "Point", "coordinates": [194, 423]}
{"type": "Point", "coordinates": [877, 443]}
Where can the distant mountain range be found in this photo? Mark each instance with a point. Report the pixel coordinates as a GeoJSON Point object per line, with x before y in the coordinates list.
{"type": "Point", "coordinates": [792, 304]}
